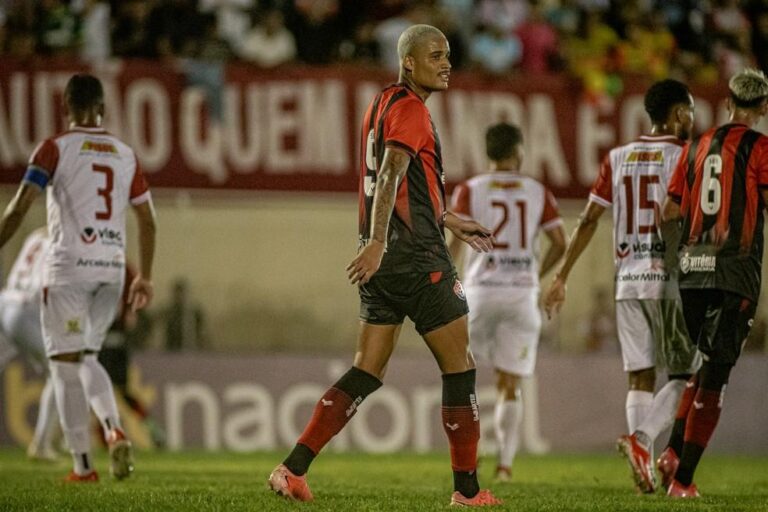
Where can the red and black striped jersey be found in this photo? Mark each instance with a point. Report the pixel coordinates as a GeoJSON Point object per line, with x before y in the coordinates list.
{"type": "Point", "coordinates": [397, 117]}
{"type": "Point", "coordinates": [717, 183]}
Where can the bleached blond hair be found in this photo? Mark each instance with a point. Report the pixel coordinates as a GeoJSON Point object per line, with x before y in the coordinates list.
{"type": "Point", "coordinates": [748, 88]}
{"type": "Point", "coordinates": [411, 36]}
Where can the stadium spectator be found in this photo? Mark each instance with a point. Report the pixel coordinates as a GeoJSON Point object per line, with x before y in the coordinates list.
{"type": "Point", "coordinates": [719, 286]}
{"type": "Point", "coordinates": [495, 51]}
{"type": "Point", "coordinates": [58, 28]}
{"type": "Point", "coordinates": [317, 22]}
{"type": "Point", "coordinates": [269, 43]}
{"type": "Point", "coordinates": [540, 43]}
{"type": "Point", "coordinates": [504, 15]}
{"type": "Point", "coordinates": [131, 37]}
{"type": "Point", "coordinates": [173, 27]}
{"type": "Point", "coordinates": [633, 179]}
{"type": "Point", "coordinates": [84, 274]}
{"type": "Point", "coordinates": [95, 44]}
{"type": "Point", "coordinates": [414, 277]}
{"type": "Point", "coordinates": [233, 18]}
{"type": "Point", "coordinates": [184, 320]}
{"type": "Point", "coordinates": [388, 32]}
{"type": "Point", "coordinates": [503, 286]}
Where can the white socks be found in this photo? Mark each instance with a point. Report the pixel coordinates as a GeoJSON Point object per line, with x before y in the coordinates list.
{"type": "Point", "coordinates": [638, 404]}
{"type": "Point", "coordinates": [508, 416]}
{"type": "Point", "coordinates": [73, 411]}
{"type": "Point", "coordinates": [47, 419]}
{"type": "Point", "coordinates": [663, 410]}
{"type": "Point", "coordinates": [98, 389]}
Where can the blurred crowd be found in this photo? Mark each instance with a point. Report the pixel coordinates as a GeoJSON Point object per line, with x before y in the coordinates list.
{"type": "Point", "coordinates": [597, 40]}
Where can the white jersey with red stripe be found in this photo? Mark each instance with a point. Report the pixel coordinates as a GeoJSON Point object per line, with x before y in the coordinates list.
{"type": "Point", "coordinates": [93, 177]}
{"type": "Point", "coordinates": [516, 208]}
{"type": "Point", "coordinates": [26, 275]}
{"type": "Point", "coordinates": [633, 180]}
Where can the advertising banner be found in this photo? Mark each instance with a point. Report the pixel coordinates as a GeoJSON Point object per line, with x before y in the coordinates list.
{"type": "Point", "coordinates": [204, 126]}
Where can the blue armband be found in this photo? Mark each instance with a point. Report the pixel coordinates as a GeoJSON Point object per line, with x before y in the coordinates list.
{"type": "Point", "coordinates": [37, 176]}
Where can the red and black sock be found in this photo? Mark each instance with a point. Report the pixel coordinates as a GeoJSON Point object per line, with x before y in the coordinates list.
{"type": "Point", "coordinates": [677, 436]}
{"type": "Point", "coordinates": [461, 422]}
{"type": "Point", "coordinates": [331, 413]}
{"type": "Point", "coordinates": [702, 418]}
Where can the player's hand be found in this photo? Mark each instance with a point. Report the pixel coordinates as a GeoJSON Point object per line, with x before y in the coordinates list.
{"type": "Point", "coordinates": [140, 293]}
{"type": "Point", "coordinates": [555, 297]}
{"type": "Point", "coordinates": [472, 233]}
{"type": "Point", "coordinates": [366, 263]}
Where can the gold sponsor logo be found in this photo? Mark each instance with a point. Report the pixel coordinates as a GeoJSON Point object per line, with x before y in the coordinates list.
{"type": "Point", "coordinates": [98, 147]}
{"type": "Point", "coordinates": [646, 156]}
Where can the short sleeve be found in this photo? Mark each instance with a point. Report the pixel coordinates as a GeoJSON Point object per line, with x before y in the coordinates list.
{"type": "Point", "coordinates": [460, 200]}
{"type": "Point", "coordinates": [139, 186]}
{"type": "Point", "coordinates": [676, 186]}
{"type": "Point", "coordinates": [602, 190]}
{"type": "Point", "coordinates": [42, 164]}
{"type": "Point", "coordinates": [408, 125]}
{"type": "Point", "coordinates": [550, 215]}
{"type": "Point", "coordinates": [762, 163]}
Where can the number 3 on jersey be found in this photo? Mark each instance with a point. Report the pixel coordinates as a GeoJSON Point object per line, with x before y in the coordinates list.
{"type": "Point", "coordinates": [106, 192]}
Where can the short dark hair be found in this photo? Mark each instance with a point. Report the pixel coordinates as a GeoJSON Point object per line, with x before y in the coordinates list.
{"type": "Point", "coordinates": [83, 91]}
{"type": "Point", "coordinates": [501, 140]}
{"type": "Point", "coordinates": [664, 95]}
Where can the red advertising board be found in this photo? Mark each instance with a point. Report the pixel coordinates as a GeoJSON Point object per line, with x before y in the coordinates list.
{"type": "Point", "coordinates": [297, 129]}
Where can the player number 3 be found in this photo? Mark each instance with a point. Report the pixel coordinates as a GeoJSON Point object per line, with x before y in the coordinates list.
{"type": "Point", "coordinates": [106, 191]}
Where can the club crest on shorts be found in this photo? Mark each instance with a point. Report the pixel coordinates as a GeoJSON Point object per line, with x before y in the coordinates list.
{"type": "Point", "coordinates": [458, 289]}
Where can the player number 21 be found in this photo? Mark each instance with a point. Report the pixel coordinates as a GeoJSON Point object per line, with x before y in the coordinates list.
{"type": "Point", "coordinates": [106, 191]}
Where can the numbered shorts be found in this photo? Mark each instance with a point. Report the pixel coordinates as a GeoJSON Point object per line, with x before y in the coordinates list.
{"type": "Point", "coordinates": [76, 317]}
{"type": "Point", "coordinates": [504, 328]}
{"type": "Point", "coordinates": [431, 300]}
{"type": "Point", "coordinates": [719, 322]}
{"type": "Point", "coordinates": [652, 333]}
{"type": "Point", "coordinates": [20, 323]}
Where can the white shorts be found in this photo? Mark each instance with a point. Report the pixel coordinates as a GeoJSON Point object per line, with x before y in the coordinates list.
{"type": "Point", "coordinates": [76, 317]}
{"type": "Point", "coordinates": [652, 333]}
{"type": "Point", "coordinates": [504, 328]}
{"type": "Point", "coordinates": [20, 323]}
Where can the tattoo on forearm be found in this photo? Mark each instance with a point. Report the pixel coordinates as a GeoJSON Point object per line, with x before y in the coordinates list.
{"type": "Point", "coordinates": [393, 168]}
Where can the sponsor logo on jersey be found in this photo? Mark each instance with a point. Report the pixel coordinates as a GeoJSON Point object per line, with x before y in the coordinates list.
{"type": "Point", "coordinates": [85, 262]}
{"type": "Point", "coordinates": [505, 185]}
{"type": "Point", "coordinates": [88, 235]}
{"type": "Point", "coordinates": [641, 250]}
{"type": "Point", "coordinates": [458, 289]}
{"type": "Point", "coordinates": [643, 277]}
{"type": "Point", "coordinates": [702, 263]}
{"type": "Point", "coordinates": [656, 157]}
{"type": "Point", "coordinates": [105, 235]}
{"type": "Point", "coordinates": [98, 147]}
{"type": "Point", "coordinates": [73, 326]}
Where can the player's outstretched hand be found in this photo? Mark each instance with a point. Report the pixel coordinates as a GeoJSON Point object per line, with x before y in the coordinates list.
{"type": "Point", "coordinates": [361, 269]}
{"type": "Point", "coordinates": [555, 297]}
{"type": "Point", "coordinates": [140, 293]}
{"type": "Point", "coordinates": [472, 233]}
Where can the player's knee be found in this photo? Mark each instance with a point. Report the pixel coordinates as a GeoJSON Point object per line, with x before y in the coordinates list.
{"type": "Point", "coordinates": [714, 376]}
{"type": "Point", "coordinates": [68, 357]}
{"type": "Point", "coordinates": [508, 385]}
{"type": "Point", "coordinates": [642, 380]}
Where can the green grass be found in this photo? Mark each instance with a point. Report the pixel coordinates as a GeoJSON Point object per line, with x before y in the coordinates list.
{"type": "Point", "coordinates": [233, 482]}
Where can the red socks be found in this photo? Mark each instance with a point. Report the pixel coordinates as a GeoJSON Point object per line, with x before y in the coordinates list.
{"type": "Point", "coordinates": [462, 426]}
{"type": "Point", "coordinates": [331, 413]}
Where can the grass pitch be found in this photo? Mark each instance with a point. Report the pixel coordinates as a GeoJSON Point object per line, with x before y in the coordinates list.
{"type": "Point", "coordinates": [195, 481]}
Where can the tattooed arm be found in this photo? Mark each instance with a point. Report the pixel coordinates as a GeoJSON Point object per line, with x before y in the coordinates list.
{"type": "Point", "coordinates": [368, 260]}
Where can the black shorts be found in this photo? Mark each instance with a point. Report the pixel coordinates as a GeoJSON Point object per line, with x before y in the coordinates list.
{"type": "Point", "coordinates": [430, 300]}
{"type": "Point", "coordinates": [718, 322]}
